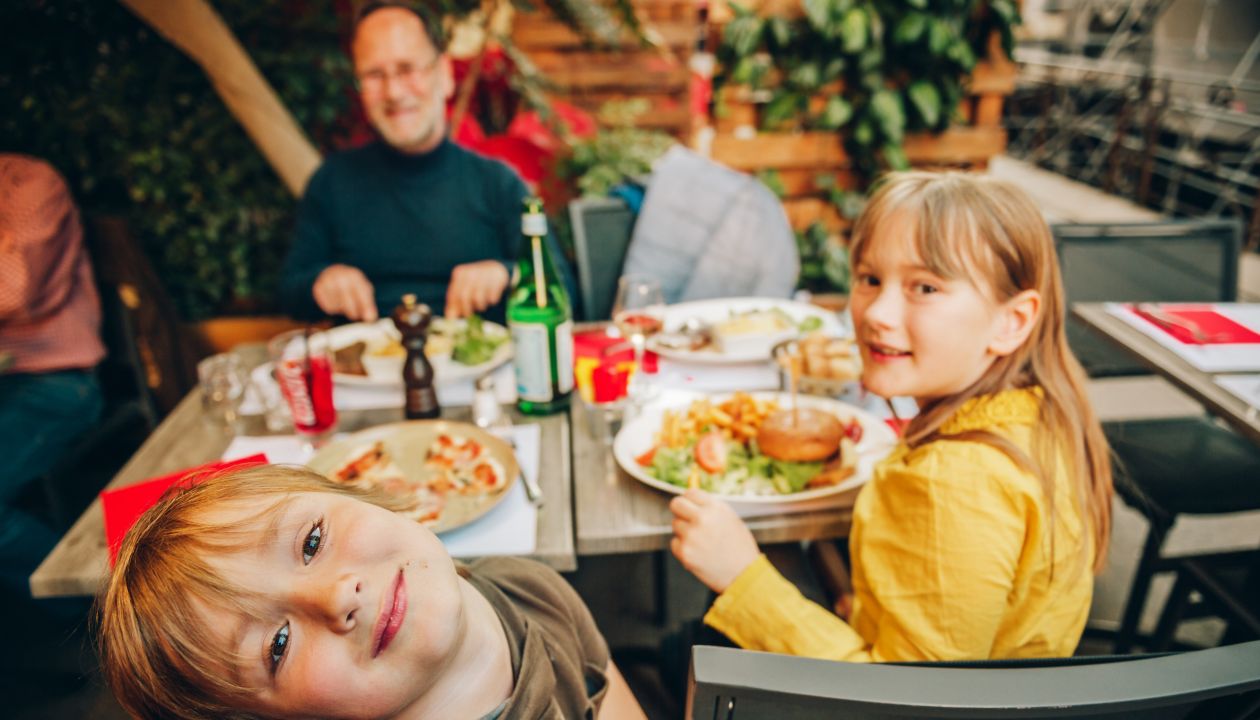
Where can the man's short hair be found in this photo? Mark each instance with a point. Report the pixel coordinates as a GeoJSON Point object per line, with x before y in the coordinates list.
{"type": "Point", "coordinates": [430, 19]}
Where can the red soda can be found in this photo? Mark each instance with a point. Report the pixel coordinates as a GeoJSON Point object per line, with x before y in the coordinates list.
{"type": "Point", "coordinates": [304, 372]}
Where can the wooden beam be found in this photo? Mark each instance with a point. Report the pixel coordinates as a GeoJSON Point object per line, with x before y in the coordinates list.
{"type": "Point", "coordinates": [195, 28]}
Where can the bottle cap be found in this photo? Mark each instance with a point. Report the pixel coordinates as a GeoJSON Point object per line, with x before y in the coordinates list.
{"type": "Point", "coordinates": [409, 300]}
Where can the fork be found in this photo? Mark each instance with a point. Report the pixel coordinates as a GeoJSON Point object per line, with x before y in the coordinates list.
{"type": "Point", "coordinates": [1159, 317]}
{"type": "Point", "coordinates": [532, 490]}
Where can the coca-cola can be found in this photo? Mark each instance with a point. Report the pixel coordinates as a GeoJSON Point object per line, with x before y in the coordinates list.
{"type": "Point", "coordinates": [304, 371]}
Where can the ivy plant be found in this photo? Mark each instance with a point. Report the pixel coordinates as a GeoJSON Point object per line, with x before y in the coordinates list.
{"type": "Point", "coordinates": [881, 68]}
{"type": "Point", "coordinates": [139, 131]}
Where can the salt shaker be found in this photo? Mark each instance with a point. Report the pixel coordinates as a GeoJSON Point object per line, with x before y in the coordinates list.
{"type": "Point", "coordinates": [485, 406]}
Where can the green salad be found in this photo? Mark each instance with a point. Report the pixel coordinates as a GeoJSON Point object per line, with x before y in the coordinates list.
{"type": "Point", "coordinates": [473, 345]}
{"type": "Point", "coordinates": [745, 471]}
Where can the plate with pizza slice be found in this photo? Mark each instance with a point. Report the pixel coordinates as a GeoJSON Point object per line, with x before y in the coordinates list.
{"type": "Point", "coordinates": [444, 474]}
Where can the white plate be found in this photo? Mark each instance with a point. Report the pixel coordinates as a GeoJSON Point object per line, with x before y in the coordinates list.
{"type": "Point", "coordinates": [445, 370]}
{"type": "Point", "coordinates": [639, 435]}
{"type": "Point", "coordinates": [714, 311]}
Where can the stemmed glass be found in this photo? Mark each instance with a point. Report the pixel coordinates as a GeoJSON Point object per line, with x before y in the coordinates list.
{"type": "Point", "coordinates": [638, 313]}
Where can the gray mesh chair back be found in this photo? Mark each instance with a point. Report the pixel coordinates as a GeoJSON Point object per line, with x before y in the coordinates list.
{"type": "Point", "coordinates": [730, 684]}
{"type": "Point", "coordinates": [1175, 261]}
{"type": "Point", "coordinates": [601, 234]}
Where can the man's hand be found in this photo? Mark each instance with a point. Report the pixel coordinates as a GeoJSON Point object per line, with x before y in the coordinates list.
{"type": "Point", "coordinates": [475, 287]}
{"type": "Point", "coordinates": [345, 290]}
{"type": "Point", "coordinates": [710, 540]}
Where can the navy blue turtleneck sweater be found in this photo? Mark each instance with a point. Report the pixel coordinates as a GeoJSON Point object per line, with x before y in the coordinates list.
{"type": "Point", "coordinates": [406, 221]}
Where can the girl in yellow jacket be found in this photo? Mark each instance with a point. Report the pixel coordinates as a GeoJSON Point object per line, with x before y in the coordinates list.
{"type": "Point", "coordinates": [977, 536]}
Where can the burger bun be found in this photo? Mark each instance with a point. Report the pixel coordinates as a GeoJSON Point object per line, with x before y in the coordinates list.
{"type": "Point", "coordinates": [804, 435]}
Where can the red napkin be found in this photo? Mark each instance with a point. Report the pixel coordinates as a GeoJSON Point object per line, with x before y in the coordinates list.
{"type": "Point", "coordinates": [124, 506]}
{"type": "Point", "coordinates": [1197, 325]}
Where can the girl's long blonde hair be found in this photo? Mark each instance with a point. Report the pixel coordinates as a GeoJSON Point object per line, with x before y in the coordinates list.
{"type": "Point", "coordinates": [156, 653]}
{"type": "Point", "coordinates": [990, 233]}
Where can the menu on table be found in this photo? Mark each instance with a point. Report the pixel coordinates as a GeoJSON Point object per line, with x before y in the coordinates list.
{"type": "Point", "coordinates": [1213, 337]}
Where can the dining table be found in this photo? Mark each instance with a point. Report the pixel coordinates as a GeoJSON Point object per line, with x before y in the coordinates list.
{"type": "Point", "coordinates": [591, 506]}
{"type": "Point", "coordinates": [1241, 413]}
{"type": "Point", "coordinates": [79, 564]}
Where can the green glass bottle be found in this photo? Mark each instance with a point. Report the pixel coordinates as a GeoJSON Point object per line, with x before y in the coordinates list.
{"type": "Point", "coordinates": [541, 321]}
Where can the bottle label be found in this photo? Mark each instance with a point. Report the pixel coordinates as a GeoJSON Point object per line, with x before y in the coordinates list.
{"type": "Point", "coordinates": [533, 361]}
{"type": "Point", "coordinates": [534, 224]}
{"type": "Point", "coordinates": [564, 356]}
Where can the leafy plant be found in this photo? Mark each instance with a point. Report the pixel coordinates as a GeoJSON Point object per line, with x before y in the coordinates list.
{"type": "Point", "coordinates": [139, 131]}
{"type": "Point", "coordinates": [884, 67]}
{"type": "Point", "coordinates": [620, 151]}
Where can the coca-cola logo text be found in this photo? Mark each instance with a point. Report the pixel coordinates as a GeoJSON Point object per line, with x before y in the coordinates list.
{"type": "Point", "coordinates": [293, 383]}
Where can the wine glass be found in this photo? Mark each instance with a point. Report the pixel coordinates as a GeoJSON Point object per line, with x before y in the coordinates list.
{"type": "Point", "coordinates": [638, 313]}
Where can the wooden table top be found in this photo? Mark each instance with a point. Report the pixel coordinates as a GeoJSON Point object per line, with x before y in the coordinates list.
{"type": "Point", "coordinates": [618, 514]}
{"type": "Point", "coordinates": [1200, 385]}
{"type": "Point", "coordinates": [79, 563]}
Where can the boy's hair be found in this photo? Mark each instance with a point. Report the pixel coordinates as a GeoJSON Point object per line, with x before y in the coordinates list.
{"type": "Point", "coordinates": [156, 653]}
{"type": "Point", "coordinates": [431, 21]}
{"type": "Point", "coordinates": [969, 226]}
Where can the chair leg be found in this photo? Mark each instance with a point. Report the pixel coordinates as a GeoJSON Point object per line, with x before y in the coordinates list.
{"type": "Point", "coordinates": [1174, 610]}
{"type": "Point", "coordinates": [1140, 588]}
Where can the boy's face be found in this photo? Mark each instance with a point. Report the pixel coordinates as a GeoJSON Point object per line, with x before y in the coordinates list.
{"type": "Point", "coordinates": [920, 335]}
{"type": "Point", "coordinates": [360, 610]}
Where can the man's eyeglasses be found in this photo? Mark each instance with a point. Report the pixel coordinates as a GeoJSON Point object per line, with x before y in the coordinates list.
{"type": "Point", "coordinates": [418, 76]}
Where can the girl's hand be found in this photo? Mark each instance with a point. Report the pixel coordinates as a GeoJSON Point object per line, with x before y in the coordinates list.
{"type": "Point", "coordinates": [710, 540]}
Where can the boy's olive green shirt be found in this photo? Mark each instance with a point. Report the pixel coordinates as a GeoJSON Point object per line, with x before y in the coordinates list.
{"type": "Point", "coordinates": [953, 558]}
{"type": "Point", "coordinates": [558, 654]}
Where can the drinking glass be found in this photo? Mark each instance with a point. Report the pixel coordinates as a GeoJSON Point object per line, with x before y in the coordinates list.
{"type": "Point", "coordinates": [303, 367]}
{"type": "Point", "coordinates": [223, 381]}
{"type": "Point", "coordinates": [638, 313]}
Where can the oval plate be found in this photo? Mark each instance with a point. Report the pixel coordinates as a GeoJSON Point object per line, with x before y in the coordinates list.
{"type": "Point", "coordinates": [407, 443]}
{"type": "Point", "coordinates": [638, 436]}
{"type": "Point", "coordinates": [714, 311]}
{"type": "Point", "coordinates": [445, 370]}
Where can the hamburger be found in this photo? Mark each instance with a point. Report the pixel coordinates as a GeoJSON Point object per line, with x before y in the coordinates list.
{"type": "Point", "coordinates": [803, 435]}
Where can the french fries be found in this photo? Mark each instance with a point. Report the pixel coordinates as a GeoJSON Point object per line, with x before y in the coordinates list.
{"type": "Point", "coordinates": [737, 418]}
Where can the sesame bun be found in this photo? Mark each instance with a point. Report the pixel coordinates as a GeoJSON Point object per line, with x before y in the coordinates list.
{"type": "Point", "coordinates": [814, 436]}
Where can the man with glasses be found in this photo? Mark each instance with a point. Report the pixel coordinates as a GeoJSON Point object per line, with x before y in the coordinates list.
{"type": "Point", "coordinates": [411, 213]}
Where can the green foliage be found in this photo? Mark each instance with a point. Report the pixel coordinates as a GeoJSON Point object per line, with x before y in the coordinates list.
{"type": "Point", "coordinates": [901, 62]}
{"type": "Point", "coordinates": [139, 131]}
{"type": "Point", "coordinates": [824, 261]}
{"type": "Point", "coordinates": [612, 155]}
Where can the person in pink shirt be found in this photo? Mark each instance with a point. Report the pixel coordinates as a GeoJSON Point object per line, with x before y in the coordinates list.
{"type": "Point", "coordinates": [49, 347]}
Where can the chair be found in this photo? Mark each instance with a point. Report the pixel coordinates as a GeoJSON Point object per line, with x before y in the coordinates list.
{"type": "Point", "coordinates": [1166, 467]}
{"type": "Point", "coordinates": [1169, 467]}
{"type": "Point", "coordinates": [143, 370]}
{"type": "Point", "coordinates": [1221, 683]}
{"type": "Point", "coordinates": [1175, 261]}
{"type": "Point", "coordinates": [601, 235]}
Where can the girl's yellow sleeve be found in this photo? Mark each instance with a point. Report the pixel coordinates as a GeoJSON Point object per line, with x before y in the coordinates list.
{"type": "Point", "coordinates": [937, 541]}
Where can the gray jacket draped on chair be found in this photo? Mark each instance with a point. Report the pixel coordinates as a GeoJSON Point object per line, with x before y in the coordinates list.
{"type": "Point", "coordinates": [707, 231]}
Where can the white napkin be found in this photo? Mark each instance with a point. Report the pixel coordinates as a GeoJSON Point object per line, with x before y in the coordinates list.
{"type": "Point", "coordinates": [510, 528]}
{"type": "Point", "coordinates": [706, 377]}
{"type": "Point", "coordinates": [371, 397]}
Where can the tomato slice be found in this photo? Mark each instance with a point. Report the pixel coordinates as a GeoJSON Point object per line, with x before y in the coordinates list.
{"type": "Point", "coordinates": [853, 431]}
{"type": "Point", "coordinates": [646, 458]}
{"type": "Point", "coordinates": [711, 452]}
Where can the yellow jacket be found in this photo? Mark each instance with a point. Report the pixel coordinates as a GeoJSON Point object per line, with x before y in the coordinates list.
{"type": "Point", "coordinates": [951, 554]}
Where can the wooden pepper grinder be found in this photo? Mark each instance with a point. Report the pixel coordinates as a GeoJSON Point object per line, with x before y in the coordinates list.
{"type": "Point", "coordinates": [420, 397]}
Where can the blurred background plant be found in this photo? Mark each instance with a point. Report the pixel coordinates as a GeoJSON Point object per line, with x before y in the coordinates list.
{"type": "Point", "coordinates": [617, 152]}
{"type": "Point", "coordinates": [139, 131]}
{"type": "Point", "coordinates": [871, 70]}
